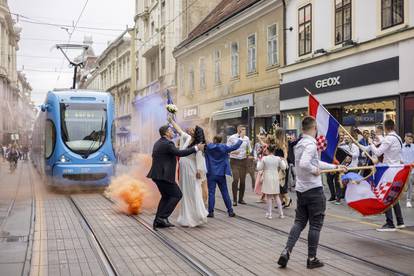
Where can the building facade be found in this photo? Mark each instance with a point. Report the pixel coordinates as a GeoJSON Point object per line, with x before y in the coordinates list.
{"type": "Point", "coordinates": [25, 111]}
{"type": "Point", "coordinates": [112, 73]}
{"type": "Point", "coordinates": [356, 56]}
{"type": "Point", "coordinates": [9, 93]}
{"type": "Point", "coordinates": [228, 67]}
{"type": "Point", "coordinates": [160, 26]}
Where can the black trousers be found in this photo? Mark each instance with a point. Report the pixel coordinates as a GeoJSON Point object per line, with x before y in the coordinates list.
{"type": "Point", "coordinates": [311, 207]}
{"type": "Point", "coordinates": [334, 186]}
{"type": "Point", "coordinates": [239, 170]}
{"type": "Point", "coordinates": [170, 196]}
{"type": "Point", "coordinates": [398, 214]}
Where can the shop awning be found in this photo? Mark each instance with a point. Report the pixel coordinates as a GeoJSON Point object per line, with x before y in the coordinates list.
{"type": "Point", "coordinates": [227, 114]}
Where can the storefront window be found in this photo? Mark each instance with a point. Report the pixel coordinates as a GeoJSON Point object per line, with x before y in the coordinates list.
{"type": "Point", "coordinates": [369, 114]}
{"type": "Point", "coordinates": [409, 115]}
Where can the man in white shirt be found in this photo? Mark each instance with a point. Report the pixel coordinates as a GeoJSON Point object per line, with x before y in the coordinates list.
{"type": "Point", "coordinates": [408, 158]}
{"type": "Point", "coordinates": [352, 149]}
{"type": "Point", "coordinates": [311, 202]}
{"type": "Point", "coordinates": [238, 163]}
{"type": "Point", "coordinates": [391, 148]}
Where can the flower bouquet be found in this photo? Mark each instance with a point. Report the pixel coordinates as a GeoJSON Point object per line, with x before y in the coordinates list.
{"type": "Point", "coordinates": [171, 108]}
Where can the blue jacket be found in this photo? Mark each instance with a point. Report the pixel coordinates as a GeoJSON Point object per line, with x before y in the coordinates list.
{"type": "Point", "coordinates": [217, 158]}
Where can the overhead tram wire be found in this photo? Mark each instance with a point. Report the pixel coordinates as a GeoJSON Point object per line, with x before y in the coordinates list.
{"type": "Point", "coordinates": [70, 36]}
{"type": "Point", "coordinates": [29, 20]}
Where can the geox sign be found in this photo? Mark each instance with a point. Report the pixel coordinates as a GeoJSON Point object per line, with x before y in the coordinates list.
{"type": "Point", "coordinates": [328, 82]}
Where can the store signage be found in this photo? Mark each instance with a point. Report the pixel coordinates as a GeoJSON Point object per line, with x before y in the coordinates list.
{"type": "Point", "coordinates": [358, 76]}
{"type": "Point", "coordinates": [363, 119]}
{"type": "Point", "coordinates": [242, 101]}
{"type": "Point", "coordinates": [190, 112]}
{"type": "Point", "coordinates": [328, 82]}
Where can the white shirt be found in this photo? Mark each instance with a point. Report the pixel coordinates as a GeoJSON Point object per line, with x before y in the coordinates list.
{"type": "Point", "coordinates": [307, 163]}
{"type": "Point", "coordinates": [354, 151]}
{"type": "Point", "coordinates": [245, 147]}
{"type": "Point", "coordinates": [391, 148]}
{"type": "Point", "coordinates": [408, 155]}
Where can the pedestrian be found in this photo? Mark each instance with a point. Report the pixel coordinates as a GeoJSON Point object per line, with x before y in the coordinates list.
{"type": "Point", "coordinates": [218, 166]}
{"type": "Point", "coordinates": [408, 158]}
{"type": "Point", "coordinates": [391, 150]}
{"type": "Point", "coordinates": [271, 164]}
{"type": "Point", "coordinates": [363, 159]}
{"type": "Point", "coordinates": [281, 150]}
{"type": "Point", "coordinates": [311, 202]}
{"type": "Point", "coordinates": [162, 172]}
{"type": "Point", "coordinates": [238, 162]}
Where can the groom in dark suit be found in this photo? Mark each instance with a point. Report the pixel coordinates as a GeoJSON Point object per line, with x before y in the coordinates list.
{"type": "Point", "coordinates": [164, 163]}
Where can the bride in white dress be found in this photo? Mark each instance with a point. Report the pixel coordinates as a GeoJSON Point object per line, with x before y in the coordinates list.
{"type": "Point", "coordinates": [192, 171]}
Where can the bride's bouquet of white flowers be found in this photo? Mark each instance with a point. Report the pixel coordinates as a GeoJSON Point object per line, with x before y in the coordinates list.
{"type": "Point", "coordinates": [171, 108]}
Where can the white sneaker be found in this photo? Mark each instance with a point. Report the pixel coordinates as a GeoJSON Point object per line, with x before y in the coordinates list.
{"type": "Point", "coordinates": [409, 205]}
{"type": "Point", "coordinates": [270, 216]}
{"type": "Point", "coordinates": [400, 226]}
{"type": "Point", "coordinates": [267, 215]}
{"type": "Point", "coordinates": [282, 216]}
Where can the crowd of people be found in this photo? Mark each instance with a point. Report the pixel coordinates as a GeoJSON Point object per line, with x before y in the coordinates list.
{"type": "Point", "coordinates": [13, 153]}
{"type": "Point", "coordinates": [279, 164]}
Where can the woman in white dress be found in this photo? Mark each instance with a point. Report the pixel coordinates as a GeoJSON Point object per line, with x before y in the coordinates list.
{"type": "Point", "coordinates": [270, 165]}
{"type": "Point", "coordinates": [192, 171]}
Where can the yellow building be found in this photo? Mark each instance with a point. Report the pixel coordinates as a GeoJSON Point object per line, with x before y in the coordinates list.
{"type": "Point", "coordinates": [227, 67]}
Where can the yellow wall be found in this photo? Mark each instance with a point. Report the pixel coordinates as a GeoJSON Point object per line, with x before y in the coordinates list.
{"type": "Point", "coordinates": [265, 78]}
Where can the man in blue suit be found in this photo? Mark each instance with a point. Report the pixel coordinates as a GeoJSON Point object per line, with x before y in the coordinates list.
{"type": "Point", "coordinates": [218, 166]}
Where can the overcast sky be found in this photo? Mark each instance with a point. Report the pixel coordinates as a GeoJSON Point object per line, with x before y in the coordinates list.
{"type": "Point", "coordinates": [37, 53]}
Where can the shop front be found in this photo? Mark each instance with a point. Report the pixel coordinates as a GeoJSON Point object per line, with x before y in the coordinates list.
{"type": "Point", "coordinates": [266, 110]}
{"type": "Point", "coordinates": [235, 111]}
{"type": "Point", "coordinates": [357, 96]}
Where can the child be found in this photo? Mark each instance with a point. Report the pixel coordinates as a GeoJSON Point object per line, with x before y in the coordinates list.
{"type": "Point", "coordinates": [270, 165]}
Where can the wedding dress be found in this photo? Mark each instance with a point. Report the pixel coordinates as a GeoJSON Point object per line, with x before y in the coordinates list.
{"type": "Point", "coordinates": [193, 211]}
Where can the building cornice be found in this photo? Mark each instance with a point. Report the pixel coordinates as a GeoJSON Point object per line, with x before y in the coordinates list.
{"type": "Point", "coordinates": [236, 22]}
{"type": "Point", "coordinates": [378, 42]}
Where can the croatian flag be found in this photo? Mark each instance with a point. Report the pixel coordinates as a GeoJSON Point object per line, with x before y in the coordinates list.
{"type": "Point", "coordinates": [379, 192]}
{"type": "Point", "coordinates": [328, 128]}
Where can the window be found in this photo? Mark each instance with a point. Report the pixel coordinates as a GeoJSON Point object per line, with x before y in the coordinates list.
{"type": "Point", "coordinates": [217, 73]}
{"type": "Point", "coordinates": [235, 59]}
{"type": "Point", "coordinates": [191, 79]}
{"type": "Point", "coordinates": [162, 13]}
{"type": "Point", "coordinates": [272, 45]}
{"type": "Point", "coordinates": [202, 73]}
{"type": "Point", "coordinates": [343, 21]}
{"type": "Point", "coordinates": [251, 53]}
{"type": "Point", "coordinates": [50, 138]}
{"type": "Point", "coordinates": [152, 28]}
{"type": "Point", "coordinates": [181, 78]}
{"type": "Point", "coordinates": [163, 58]}
{"type": "Point", "coordinates": [392, 13]}
{"type": "Point", "coordinates": [305, 30]}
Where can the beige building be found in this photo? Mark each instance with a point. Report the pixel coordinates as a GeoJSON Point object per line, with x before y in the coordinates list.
{"type": "Point", "coordinates": [228, 67]}
{"type": "Point", "coordinates": [160, 26]}
{"type": "Point", "coordinates": [25, 110]}
{"type": "Point", "coordinates": [112, 73]}
{"type": "Point", "coordinates": [9, 94]}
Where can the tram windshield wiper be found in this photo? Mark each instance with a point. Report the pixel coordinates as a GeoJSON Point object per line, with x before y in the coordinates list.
{"type": "Point", "coordinates": [95, 137]}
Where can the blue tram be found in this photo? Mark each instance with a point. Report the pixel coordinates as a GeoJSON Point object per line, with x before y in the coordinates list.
{"type": "Point", "coordinates": [73, 138]}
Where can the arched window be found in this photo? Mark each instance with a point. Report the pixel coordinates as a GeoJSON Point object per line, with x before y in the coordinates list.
{"type": "Point", "coordinates": [50, 138]}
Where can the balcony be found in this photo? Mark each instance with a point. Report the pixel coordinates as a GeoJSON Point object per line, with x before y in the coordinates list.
{"type": "Point", "coordinates": [151, 88]}
{"type": "Point", "coordinates": [151, 46]}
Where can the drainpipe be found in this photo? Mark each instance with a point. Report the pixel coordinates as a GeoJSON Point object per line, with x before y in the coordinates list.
{"type": "Point", "coordinates": [284, 32]}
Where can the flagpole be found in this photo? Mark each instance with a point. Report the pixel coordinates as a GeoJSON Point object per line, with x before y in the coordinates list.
{"type": "Point", "coordinates": [347, 133]}
{"type": "Point", "coordinates": [349, 169]}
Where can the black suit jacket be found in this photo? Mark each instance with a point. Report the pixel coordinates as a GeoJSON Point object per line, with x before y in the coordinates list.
{"type": "Point", "coordinates": [164, 161]}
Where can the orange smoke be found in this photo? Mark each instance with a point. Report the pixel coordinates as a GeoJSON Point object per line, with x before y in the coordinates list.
{"type": "Point", "coordinates": [132, 191]}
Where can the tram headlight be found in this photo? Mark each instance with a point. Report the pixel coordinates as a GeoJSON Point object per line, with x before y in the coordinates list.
{"type": "Point", "coordinates": [105, 158]}
{"type": "Point", "coordinates": [64, 159]}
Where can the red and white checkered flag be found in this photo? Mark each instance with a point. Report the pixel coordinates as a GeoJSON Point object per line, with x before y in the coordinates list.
{"type": "Point", "coordinates": [321, 143]}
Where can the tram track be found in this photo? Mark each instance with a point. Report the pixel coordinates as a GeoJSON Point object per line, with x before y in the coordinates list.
{"type": "Point", "coordinates": [326, 247]}
{"type": "Point", "coordinates": [188, 258]}
{"type": "Point", "coordinates": [100, 251]}
{"type": "Point", "coordinates": [354, 233]}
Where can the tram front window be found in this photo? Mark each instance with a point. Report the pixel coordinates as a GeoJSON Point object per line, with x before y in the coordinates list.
{"type": "Point", "coordinates": [83, 127]}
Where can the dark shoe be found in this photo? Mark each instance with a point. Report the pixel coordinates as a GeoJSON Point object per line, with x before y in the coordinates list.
{"type": "Point", "coordinates": [288, 205]}
{"type": "Point", "coordinates": [314, 263]}
{"type": "Point", "coordinates": [232, 214]}
{"type": "Point", "coordinates": [387, 228]}
{"type": "Point", "coordinates": [169, 224]}
{"type": "Point", "coordinates": [210, 215]}
{"type": "Point", "coordinates": [331, 199]}
{"type": "Point", "coordinates": [160, 223]}
{"type": "Point", "coordinates": [401, 226]}
{"type": "Point", "coordinates": [235, 203]}
{"type": "Point", "coordinates": [284, 258]}
{"type": "Point", "coordinates": [242, 202]}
